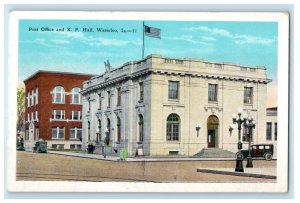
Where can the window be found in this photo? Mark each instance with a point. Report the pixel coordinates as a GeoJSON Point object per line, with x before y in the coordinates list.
{"type": "Point", "coordinates": [141, 86]}
{"type": "Point", "coordinates": [36, 116]}
{"type": "Point", "coordinates": [99, 131]}
{"type": "Point", "coordinates": [168, 61]}
{"type": "Point", "coordinates": [36, 96]}
{"type": "Point", "coordinates": [58, 114]}
{"type": "Point", "coordinates": [179, 62]}
{"type": "Point", "coordinates": [248, 95]}
{"type": "Point", "coordinates": [28, 117]}
{"type": "Point", "coordinates": [58, 95]}
{"type": "Point", "coordinates": [89, 104]}
{"type": "Point", "coordinates": [100, 101]}
{"type": "Point", "coordinates": [141, 128]}
{"type": "Point", "coordinates": [58, 146]}
{"type": "Point", "coordinates": [75, 146]}
{"type": "Point", "coordinates": [76, 98]}
{"type": "Point", "coordinates": [118, 96]}
{"type": "Point", "coordinates": [118, 129]}
{"type": "Point", "coordinates": [32, 97]}
{"type": "Point", "coordinates": [37, 133]}
{"type": "Point", "coordinates": [275, 131]}
{"type": "Point", "coordinates": [76, 115]}
{"type": "Point", "coordinates": [28, 99]}
{"type": "Point", "coordinates": [269, 131]}
{"type": "Point", "coordinates": [243, 69]}
{"type": "Point", "coordinates": [89, 131]}
{"type": "Point", "coordinates": [173, 89]}
{"type": "Point", "coordinates": [75, 133]}
{"type": "Point", "coordinates": [212, 92]}
{"type": "Point", "coordinates": [208, 65]}
{"type": "Point", "coordinates": [246, 134]}
{"type": "Point", "coordinates": [32, 116]}
{"type": "Point", "coordinates": [108, 99]}
{"type": "Point", "coordinates": [252, 70]}
{"type": "Point", "coordinates": [173, 125]}
{"type": "Point", "coordinates": [58, 133]}
{"type": "Point", "coordinates": [108, 128]}
{"type": "Point", "coordinates": [218, 65]}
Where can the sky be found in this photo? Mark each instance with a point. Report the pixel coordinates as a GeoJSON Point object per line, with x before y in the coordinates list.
{"type": "Point", "coordinates": [49, 45]}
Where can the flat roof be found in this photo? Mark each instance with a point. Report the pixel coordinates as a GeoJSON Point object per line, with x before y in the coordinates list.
{"type": "Point", "coordinates": [56, 72]}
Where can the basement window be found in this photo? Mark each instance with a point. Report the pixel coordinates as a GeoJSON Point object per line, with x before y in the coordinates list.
{"type": "Point", "coordinates": [173, 152]}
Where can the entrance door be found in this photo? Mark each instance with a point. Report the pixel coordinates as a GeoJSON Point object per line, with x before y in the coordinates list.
{"type": "Point", "coordinates": [211, 138]}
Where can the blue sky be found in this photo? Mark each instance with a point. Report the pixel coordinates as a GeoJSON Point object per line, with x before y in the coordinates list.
{"type": "Point", "coordinates": [246, 43]}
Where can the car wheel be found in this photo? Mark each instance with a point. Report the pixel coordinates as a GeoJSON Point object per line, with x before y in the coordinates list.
{"type": "Point", "coordinates": [268, 157]}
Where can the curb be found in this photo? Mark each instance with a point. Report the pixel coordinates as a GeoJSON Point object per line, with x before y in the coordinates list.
{"type": "Point", "coordinates": [237, 174]}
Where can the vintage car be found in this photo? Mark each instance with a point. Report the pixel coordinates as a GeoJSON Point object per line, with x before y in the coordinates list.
{"type": "Point", "coordinates": [40, 146]}
{"type": "Point", "coordinates": [259, 150]}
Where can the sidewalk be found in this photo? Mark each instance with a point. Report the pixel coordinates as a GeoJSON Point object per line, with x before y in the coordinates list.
{"type": "Point", "coordinates": [262, 172]}
{"type": "Point", "coordinates": [137, 159]}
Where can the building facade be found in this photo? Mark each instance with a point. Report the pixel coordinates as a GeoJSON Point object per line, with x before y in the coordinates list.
{"type": "Point", "coordinates": [54, 109]}
{"type": "Point", "coordinates": [271, 127]}
{"type": "Point", "coordinates": [164, 106]}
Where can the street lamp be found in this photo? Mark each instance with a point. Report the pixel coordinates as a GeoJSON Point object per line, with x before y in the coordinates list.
{"type": "Point", "coordinates": [239, 119]}
{"type": "Point", "coordinates": [250, 124]}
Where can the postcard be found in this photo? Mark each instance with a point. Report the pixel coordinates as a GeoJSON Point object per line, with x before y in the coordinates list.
{"type": "Point", "coordinates": [147, 101]}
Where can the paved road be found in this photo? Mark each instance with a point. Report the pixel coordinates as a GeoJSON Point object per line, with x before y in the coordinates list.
{"type": "Point", "coordinates": [36, 166]}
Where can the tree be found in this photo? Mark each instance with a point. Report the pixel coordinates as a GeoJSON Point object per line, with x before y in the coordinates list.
{"type": "Point", "coordinates": [21, 109]}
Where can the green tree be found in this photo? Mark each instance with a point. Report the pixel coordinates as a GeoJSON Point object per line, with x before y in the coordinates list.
{"type": "Point", "coordinates": [21, 109]}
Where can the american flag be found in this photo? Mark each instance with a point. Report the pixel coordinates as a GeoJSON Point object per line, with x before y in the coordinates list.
{"type": "Point", "coordinates": [152, 31]}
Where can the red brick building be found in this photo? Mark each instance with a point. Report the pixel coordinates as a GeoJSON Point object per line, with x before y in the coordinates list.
{"type": "Point", "coordinates": [54, 109]}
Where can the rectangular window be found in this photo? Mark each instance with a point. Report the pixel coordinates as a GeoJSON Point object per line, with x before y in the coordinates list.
{"type": "Point", "coordinates": [179, 62]}
{"type": "Point", "coordinates": [218, 65]}
{"type": "Point", "coordinates": [243, 69]}
{"type": "Point", "coordinates": [58, 132]}
{"type": "Point", "coordinates": [75, 133]}
{"type": "Point", "coordinates": [252, 70]}
{"type": "Point", "coordinates": [32, 97]}
{"type": "Point", "coordinates": [36, 116]}
{"type": "Point", "coordinates": [36, 95]}
{"type": "Point", "coordinates": [248, 95]}
{"type": "Point", "coordinates": [76, 115]}
{"type": "Point", "coordinates": [32, 116]}
{"type": "Point", "coordinates": [208, 65]}
{"type": "Point", "coordinates": [275, 131]}
{"type": "Point", "coordinates": [58, 146]}
{"type": "Point", "coordinates": [28, 117]}
{"type": "Point", "coordinates": [28, 99]}
{"type": "Point", "coordinates": [173, 89]}
{"type": "Point", "coordinates": [75, 146]}
{"type": "Point", "coordinates": [58, 114]}
{"type": "Point", "coordinates": [100, 101]}
{"type": "Point", "coordinates": [168, 61]}
{"type": "Point", "coordinates": [118, 96]}
{"type": "Point", "coordinates": [212, 92]}
{"type": "Point", "coordinates": [269, 131]}
{"type": "Point", "coordinates": [108, 99]}
{"type": "Point", "coordinates": [141, 86]}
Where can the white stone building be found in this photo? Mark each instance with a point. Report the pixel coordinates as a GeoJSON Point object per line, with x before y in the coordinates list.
{"type": "Point", "coordinates": [166, 106]}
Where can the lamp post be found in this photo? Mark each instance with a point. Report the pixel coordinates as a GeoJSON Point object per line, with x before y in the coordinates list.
{"type": "Point", "coordinates": [250, 123]}
{"type": "Point", "coordinates": [239, 119]}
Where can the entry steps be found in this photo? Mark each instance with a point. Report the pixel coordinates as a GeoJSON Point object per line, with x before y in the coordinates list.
{"type": "Point", "coordinates": [214, 153]}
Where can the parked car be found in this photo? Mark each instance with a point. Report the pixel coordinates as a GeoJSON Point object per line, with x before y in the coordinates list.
{"type": "Point", "coordinates": [259, 150]}
{"type": "Point", "coordinates": [40, 146]}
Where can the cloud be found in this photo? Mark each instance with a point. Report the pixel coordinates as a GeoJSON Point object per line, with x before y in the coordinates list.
{"type": "Point", "coordinates": [188, 38]}
{"type": "Point", "coordinates": [60, 41]}
{"type": "Point", "coordinates": [39, 41]}
{"type": "Point", "coordinates": [238, 38]}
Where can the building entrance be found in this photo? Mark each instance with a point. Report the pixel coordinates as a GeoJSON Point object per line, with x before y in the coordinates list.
{"type": "Point", "coordinates": [212, 131]}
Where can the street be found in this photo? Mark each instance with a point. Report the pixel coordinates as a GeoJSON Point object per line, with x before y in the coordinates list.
{"type": "Point", "coordinates": [41, 167]}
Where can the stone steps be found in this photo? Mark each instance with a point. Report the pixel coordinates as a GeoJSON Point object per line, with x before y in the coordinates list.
{"type": "Point", "coordinates": [214, 153]}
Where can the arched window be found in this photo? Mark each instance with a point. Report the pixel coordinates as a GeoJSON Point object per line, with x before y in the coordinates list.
{"type": "Point", "coordinates": [141, 128]}
{"type": "Point", "coordinates": [173, 125]}
{"type": "Point", "coordinates": [76, 98]}
{"type": "Point", "coordinates": [118, 129]}
{"type": "Point", "coordinates": [58, 95]}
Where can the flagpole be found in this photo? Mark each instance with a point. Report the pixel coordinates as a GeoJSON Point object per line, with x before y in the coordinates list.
{"type": "Point", "coordinates": [143, 39]}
